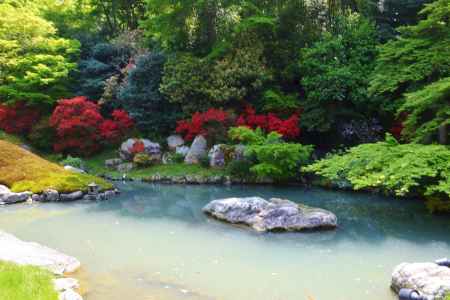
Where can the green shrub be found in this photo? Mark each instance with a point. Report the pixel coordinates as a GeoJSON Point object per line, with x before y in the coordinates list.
{"type": "Point", "coordinates": [42, 135]}
{"type": "Point", "coordinates": [402, 170]}
{"type": "Point", "coordinates": [75, 162]}
{"type": "Point", "coordinates": [177, 158]}
{"type": "Point", "coordinates": [142, 160]}
{"type": "Point", "coordinates": [240, 168]}
{"type": "Point", "coordinates": [274, 158]}
{"type": "Point", "coordinates": [204, 161]}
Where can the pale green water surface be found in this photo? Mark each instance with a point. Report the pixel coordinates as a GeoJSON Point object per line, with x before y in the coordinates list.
{"type": "Point", "coordinates": [154, 243]}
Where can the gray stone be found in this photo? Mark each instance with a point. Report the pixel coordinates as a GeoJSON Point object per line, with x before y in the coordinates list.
{"type": "Point", "coordinates": [50, 196]}
{"type": "Point", "coordinates": [125, 167]}
{"type": "Point", "coordinates": [113, 163]}
{"type": "Point", "coordinates": [174, 141]}
{"type": "Point", "coordinates": [69, 295]}
{"type": "Point", "coordinates": [183, 150]}
{"type": "Point", "coordinates": [273, 215]}
{"type": "Point", "coordinates": [8, 197]}
{"type": "Point", "coordinates": [26, 253]}
{"type": "Point", "coordinates": [64, 284]}
{"type": "Point", "coordinates": [109, 194]}
{"type": "Point", "coordinates": [239, 152]}
{"type": "Point", "coordinates": [36, 198]}
{"type": "Point", "coordinates": [217, 156]}
{"type": "Point", "coordinates": [72, 196]}
{"type": "Point", "coordinates": [74, 170]}
{"type": "Point", "coordinates": [197, 150]}
{"type": "Point", "coordinates": [430, 279]}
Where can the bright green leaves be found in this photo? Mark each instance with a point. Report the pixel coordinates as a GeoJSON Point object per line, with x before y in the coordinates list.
{"type": "Point", "coordinates": [419, 57]}
{"type": "Point", "coordinates": [34, 62]}
{"type": "Point", "coordinates": [403, 170]}
{"type": "Point", "coordinates": [427, 110]}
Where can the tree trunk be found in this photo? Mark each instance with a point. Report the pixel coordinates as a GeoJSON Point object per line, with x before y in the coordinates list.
{"type": "Point", "coordinates": [443, 135]}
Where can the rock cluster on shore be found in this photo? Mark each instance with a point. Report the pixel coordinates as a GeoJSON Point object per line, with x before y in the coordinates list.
{"type": "Point", "coordinates": [50, 195]}
{"type": "Point", "coordinates": [272, 215]}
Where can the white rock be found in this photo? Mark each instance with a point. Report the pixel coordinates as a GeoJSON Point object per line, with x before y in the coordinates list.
{"type": "Point", "coordinates": [430, 279]}
{"type": "Point", "coordinates": [174, 141]}
{"type": "Point", "coordinates": [74, 170]}
{"type": "Point", "coordinates": [183, 150]}
{"type": "Point", "coordinates": [70, 295]}
{"type": "Point", "coordinates": [27, 253]}
{"type": "Point", "coordinates": [64, 284]}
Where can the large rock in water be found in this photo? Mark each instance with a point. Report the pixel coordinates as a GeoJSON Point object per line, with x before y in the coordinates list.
{"type": "Point", "coordinates": [430, 279]}
{"type": "Point", "coordinates": [26, 253]}
{"type": "Point", "coordinates": [273, 215]}
{"type": "Point", "coordinates": [197, 150]}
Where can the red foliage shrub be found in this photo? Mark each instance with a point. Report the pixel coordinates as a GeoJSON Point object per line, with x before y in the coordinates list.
{"type": "Point", "coordinates": [81, 128]}
{"type": "Point", "coordinates": [200, 123]}
{"type": "Point", "coordinates": [287, 128]}
{"type": "Point", "coordinates": [138, 147]}
{"type": "Point", "coordinates": [18, 118]}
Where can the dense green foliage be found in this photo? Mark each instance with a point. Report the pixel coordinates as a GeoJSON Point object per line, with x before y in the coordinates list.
{"type": "Point", "coordinates": [141, 97]}
{"type": "Point", "coordinates": [34, 62]}
{"type": "Point", "coordinates": [25, 283]}
{"type": "Point", "coordinates": [335, 75]}
{"type": "Point", "coordinates": [418, 58]}
{"type": "Point", "coordinates": [402, 170]}
{"type": "Point", "coordinates": [273, 158]}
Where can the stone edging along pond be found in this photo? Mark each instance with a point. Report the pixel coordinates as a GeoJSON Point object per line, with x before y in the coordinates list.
{"type": "Point", "coordinates": [50, 195]}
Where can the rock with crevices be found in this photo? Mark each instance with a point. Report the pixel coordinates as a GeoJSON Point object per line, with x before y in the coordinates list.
{"type": "Point", "coordinates": [429, 279]}
{"type": "Point", "coordinates": [272, 215]}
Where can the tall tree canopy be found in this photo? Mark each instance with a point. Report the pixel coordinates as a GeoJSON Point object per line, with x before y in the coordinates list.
{"type": "Point", "coordinates": [418, 58]}
{"type": "Point", "coordinates": [34, 62]}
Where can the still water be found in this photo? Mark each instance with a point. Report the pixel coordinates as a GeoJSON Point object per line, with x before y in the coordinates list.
{"type": "Point", "coordinates": [154, 243]}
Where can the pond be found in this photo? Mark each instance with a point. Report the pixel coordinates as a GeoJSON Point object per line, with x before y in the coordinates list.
{"type": "Point", "coordinates": [154, 243]}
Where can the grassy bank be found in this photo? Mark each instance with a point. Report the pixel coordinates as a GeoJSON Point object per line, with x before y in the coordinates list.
{"type": "Point", "coordinates": [96, 166]}
{"type": "Point", "coordinates": [24, 171]}
{"type": "Point", "coordinates": [25, 283]}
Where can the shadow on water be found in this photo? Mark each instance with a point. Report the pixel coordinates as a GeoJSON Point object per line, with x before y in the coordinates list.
{"type": "Point", "coordinates": [362, 217]}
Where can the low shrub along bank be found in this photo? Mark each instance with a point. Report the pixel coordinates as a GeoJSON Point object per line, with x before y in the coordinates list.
{"type": "Point", "coordinates": [402, 170]}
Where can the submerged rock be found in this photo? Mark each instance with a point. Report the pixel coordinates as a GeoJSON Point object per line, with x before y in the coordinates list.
{"type": "Point", "coordinates": [429, 279]}
{"type": "Point", "coordinates": [273, 215]}
{"type": "Point", "coordinates": [27, 253]}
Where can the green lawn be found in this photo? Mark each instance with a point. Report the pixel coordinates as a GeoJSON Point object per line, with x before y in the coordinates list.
{"type": "Point", "coordinates": [96, 166]}
{"type": "Point", "coordinates": [25, 283]}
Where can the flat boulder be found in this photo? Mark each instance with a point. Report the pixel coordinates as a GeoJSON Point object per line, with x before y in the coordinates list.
{"type": "Point", "coordinates": [27, 253]}
{"type": "Point", "coordinates": [272, 215]}
{"type": "Point", "coordinates": [429, 279]}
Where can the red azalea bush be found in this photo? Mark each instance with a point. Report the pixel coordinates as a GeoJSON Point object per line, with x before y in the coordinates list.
{"type": "Point", "coordinates": [287, 128]}
{"type": "Point", "coordinates": [203, 123]}
{"type": "Point", "coordinates": [18, 118]}
{"type": "Point", "coordinates": [138, 147]}
{"type": "Point", "coordinates": [81, 129]}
